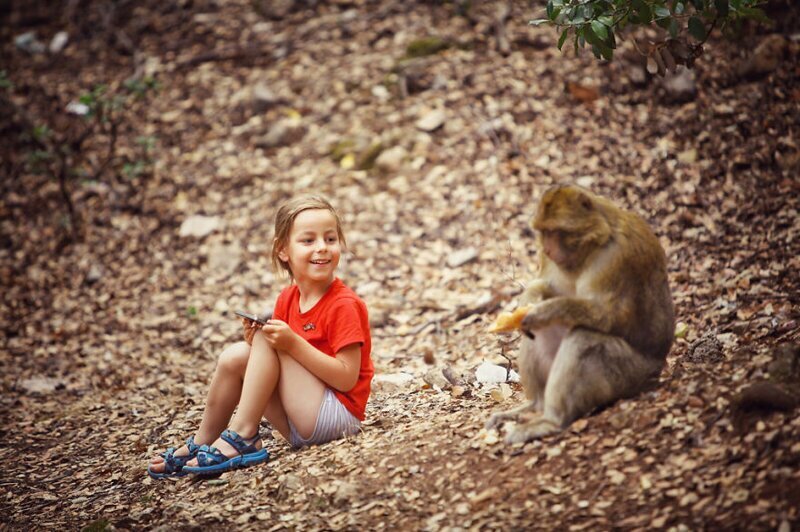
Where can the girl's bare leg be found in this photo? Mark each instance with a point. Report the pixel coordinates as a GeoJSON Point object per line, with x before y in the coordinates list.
{"type": "Point", "coordinates": [298, 397]}
{"type": "Point", "coordinates": [260, 382]}
{"type": "Point", "coordinates": [279, 388]}
{"type": "Point", "coordinates": [223, 395]}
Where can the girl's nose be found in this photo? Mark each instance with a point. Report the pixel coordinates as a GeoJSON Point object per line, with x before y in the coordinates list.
{"type": "Point", "coordinates": [321, 244]}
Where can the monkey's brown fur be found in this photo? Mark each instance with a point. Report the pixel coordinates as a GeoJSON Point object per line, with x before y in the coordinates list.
{"type": "Point", "coordinates": [602, 320]}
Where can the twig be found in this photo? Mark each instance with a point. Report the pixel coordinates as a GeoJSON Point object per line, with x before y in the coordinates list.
{"type": "Point", "coordinates": [503, 44]}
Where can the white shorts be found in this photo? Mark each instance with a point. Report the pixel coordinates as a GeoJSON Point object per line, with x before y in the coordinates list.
{"type": "Point", "coordinates": [334, 421]}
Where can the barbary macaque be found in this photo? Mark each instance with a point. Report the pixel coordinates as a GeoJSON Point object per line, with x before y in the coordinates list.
{"type": "Point", "coordinates": [600, 319]}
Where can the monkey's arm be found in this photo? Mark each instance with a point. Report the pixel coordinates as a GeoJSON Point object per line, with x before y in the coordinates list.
{"type": "Point", "coordinates": [573, 312]}
{"type": "Point", "coordinates": [536, 291]}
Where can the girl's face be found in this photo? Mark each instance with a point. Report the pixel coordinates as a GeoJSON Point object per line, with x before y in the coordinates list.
{"type": "Point", "coordinates": [313, 249]}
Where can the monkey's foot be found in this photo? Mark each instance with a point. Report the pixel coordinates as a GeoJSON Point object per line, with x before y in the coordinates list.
{"type": "Point", "coordinates": [498, 418]}
{"type": "Point", "coordinates": [532, 430]}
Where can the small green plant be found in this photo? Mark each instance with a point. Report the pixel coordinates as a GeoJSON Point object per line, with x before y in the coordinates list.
{"type": "Point", "coordinates": [5, 83]}
{"type": "Point", "coordinates": [42, 132]}
{"type": "Point", "coordinates": [63, 153]}
{"type": "Point", "coordinates": [426, 46]}
{"type": "Point", "coordinates": [143, 164]}
{"type": "Point", "coordinates": [686, 23]}
{"type": "Point", "coordinates": [139, 87]}
{"type": "Point", "coordinates": [99, 525]}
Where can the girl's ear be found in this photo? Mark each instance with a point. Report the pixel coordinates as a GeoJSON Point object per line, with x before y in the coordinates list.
{"type": "Point", "coordinates": [281, 251]}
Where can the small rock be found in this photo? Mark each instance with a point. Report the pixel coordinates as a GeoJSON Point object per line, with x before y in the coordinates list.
{"type": "Point", "coordinates": [391, 160]}
{"type": "Point", "coordinates": [379, 317]}
{"type": "Point", "coordinates": [488, 373]}
{"type": "Point", "coordinates": [281, 133]}
{"type": "Point", "coordinates": [432, 120]}
{"type": "Point", "coordinates": [637, 73]}
{"type": "Point", "coordinates": [345, 492]}
{"type": "Point", "coordinates": [223, 259]}
{"type": "Point", "coordinates": [766, 57]}
{"type": "Point", "coordinates": [58, 42]}
{"type": "Point", "coordinates": [392, 382]}
{"type": "Point", "coordinates": [41, 385]}
{"type": "Point", "coordinates": [764, 397]}
{"type": "Point", "coordinates": [77, 108]}
{"type": "Point", "coordinates": [95, 273]}
{"type": "Point", "coordinates": [199, 226]}
{"type": "Point", "coordinates": [436, 379]}
{"type": "Point", "coordinates": [27, 42]}
{"type": "Point", "coordinates": [439, 82]}
{"type": "Point", "coordinates": [274, 9]}
{"type": "Point", "coordinates": [263, 98]}
{"type": "Point", "coordinates": [688, 157]}
{"type": "Point", "coordinates": [680, 85]}
{"type": "Point", "coordinates": [462, 257]}
{"type": "Point", "coordinates": [381, 93]}
{"type": "Point", "coordinates": [785, 365]}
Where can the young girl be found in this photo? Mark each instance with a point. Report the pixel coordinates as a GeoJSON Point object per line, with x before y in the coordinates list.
{"type": "Point", "coordinates": [307, 371]}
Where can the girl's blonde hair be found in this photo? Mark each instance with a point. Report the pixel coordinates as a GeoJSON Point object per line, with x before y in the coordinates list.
{"type": "Point", "coordinates": [284, 221]}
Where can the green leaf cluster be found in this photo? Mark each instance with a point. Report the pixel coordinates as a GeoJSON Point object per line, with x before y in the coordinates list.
{"type": "Point", "coordinates": [597, 23]}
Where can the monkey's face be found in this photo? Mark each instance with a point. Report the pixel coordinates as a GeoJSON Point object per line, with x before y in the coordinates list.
{"type": "Point", "coordinates": [553, 245]}
{"type": "Point", "coordinates": [559, 247]}
{"type": "Point", "coordinates": [570, 226]}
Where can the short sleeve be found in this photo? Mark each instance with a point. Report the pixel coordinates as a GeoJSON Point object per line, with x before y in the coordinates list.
{"type": "Point", "coordinates": [346, 325]}
{"type": "Point", "coordinates": [281, 310]}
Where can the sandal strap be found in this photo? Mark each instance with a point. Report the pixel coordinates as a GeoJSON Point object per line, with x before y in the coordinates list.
{"type": "Point", "coordinates": [191, 445]}
{"type": "Point", "coordinates": [242, 445]}
{"type": "Point", "coordinates": [176, 463]}
{"type": "Point", "coordinates": [208, 455]}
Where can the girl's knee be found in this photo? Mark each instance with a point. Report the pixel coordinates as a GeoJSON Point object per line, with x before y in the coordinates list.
{"type": "Point", "coordinates": [234, 356]}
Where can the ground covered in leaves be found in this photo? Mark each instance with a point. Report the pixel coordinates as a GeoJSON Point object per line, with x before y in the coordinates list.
{"type": "Point", "coordinates": [434, 128]}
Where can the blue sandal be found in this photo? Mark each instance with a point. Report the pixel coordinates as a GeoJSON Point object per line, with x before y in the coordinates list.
{"type": "Point", "coordinates": [210, 460]}
{"type": "Point", "coordinates": [173, 465]}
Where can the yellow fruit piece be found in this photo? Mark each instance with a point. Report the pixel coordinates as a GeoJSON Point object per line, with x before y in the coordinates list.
{"type": "Point", "coordinates": [509, 321]}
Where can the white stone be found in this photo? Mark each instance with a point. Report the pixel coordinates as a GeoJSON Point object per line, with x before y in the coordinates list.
{"type": "Point", "coordinates": [462, 257]}
{"type": "Point", "coordinates": [488, 373]}
{"type": "Point", "coordinates": [432, 120]}
{"type": "Point", "coordinates": [58, 42]}
{"type": "Point", "coordinates": [392, 382]}
{"type": "Point", "coordinates": [199, 226]}
{"type": "Point", "coordinates": [391, 160]}
{"type": "Point", "coordinates": [40, 384]}
{"type": "Point", "coordinates": [223, 259]}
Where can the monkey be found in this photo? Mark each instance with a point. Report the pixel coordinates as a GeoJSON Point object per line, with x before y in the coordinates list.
{"type": "Point", "coordinates": [600, 320]}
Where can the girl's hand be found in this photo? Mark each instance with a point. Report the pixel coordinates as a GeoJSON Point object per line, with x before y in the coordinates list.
{"type": "Point", "coordinates": [279, 336]}
{"type": "Point", "coordinates": [250, 329]}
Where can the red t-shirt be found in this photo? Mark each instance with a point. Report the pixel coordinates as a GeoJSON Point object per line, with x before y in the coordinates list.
{"type": "Point", "coordinates": [337, 320]}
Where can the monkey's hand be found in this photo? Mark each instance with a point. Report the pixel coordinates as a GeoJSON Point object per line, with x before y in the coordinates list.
{"type": "Point", "coordinates": [536, 291]}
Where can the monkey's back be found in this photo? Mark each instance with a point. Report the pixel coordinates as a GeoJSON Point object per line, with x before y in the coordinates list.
{"type": "Point", "coordinates": [642, 284]}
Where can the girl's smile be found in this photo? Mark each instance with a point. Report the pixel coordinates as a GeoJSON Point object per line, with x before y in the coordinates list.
{"type": "Point", "coordinates": [313, 248]}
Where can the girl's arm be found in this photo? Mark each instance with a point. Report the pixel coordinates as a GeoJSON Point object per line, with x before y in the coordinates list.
{"type": "Point", "coordinates": [340, 372]}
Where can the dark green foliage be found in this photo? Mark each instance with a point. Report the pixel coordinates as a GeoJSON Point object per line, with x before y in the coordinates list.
{"type": "Point", "coordinates": [686, 22]}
